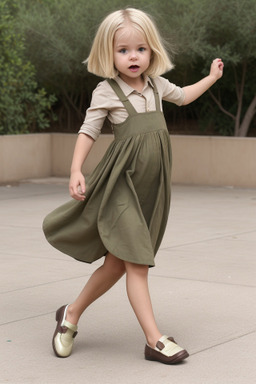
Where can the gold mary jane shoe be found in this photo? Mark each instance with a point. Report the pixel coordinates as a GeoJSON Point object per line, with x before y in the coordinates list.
{"type": "Point", "coordinates": [65, 332]}
{"type": "Point", "coordinates": [166, 351]}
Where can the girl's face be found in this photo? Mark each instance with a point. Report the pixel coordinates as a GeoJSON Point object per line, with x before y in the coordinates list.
{"type": "Point", "coordinates": [131, 54]}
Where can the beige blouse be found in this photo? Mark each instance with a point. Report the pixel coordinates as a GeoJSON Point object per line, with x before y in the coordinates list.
{"type": "Point", "coordinates": [105, 102]}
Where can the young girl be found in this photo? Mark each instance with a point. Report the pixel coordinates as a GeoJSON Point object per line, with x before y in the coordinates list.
{"type": "Point", "coordinates": [121, 213]}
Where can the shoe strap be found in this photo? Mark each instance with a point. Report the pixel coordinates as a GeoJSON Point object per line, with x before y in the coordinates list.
{"type": "Point", "coordinates": [165, 345]}
{"type": "Point", "coordinates": [70, 326]}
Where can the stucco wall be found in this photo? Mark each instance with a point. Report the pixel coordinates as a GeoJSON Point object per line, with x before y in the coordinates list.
{"type": "Point", "coordinates": [24, 156]}
{"type": "Point", "coordinates": [204, 160]}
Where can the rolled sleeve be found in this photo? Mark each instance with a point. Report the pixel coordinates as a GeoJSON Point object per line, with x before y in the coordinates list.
{"type": "Point", "coordinates": [90, 131]}
{"type": "Point", "coordinates": [96, 113]}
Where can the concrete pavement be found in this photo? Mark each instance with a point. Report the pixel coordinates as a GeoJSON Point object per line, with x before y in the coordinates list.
{"type": "Point", "coordinates": [203, 291]}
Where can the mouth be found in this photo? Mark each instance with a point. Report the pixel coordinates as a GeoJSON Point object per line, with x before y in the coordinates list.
{"type": "Point", "coordinates": [134, 68]}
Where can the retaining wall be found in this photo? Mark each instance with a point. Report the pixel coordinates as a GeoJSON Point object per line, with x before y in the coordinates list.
{"type": "Point", "coordinates": [201, 160]}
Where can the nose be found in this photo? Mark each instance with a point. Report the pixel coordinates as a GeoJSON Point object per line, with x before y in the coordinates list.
{"type": "Point", "coordinates": [133, 55]}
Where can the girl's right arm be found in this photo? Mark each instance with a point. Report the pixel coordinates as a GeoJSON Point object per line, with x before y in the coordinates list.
{"type": "Point", "coordinates": [77, 181]}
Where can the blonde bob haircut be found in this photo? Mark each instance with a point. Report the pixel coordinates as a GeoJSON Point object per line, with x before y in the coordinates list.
{"type": "Point", "coordinates": [101, 58]}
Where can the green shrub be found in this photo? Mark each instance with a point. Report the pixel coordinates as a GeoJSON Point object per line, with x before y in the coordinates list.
{"type": "Point", "coordinates": [23, 107]}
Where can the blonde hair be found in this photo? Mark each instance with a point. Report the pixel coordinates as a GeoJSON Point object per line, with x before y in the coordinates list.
{"type": "Point", "coordinates": [101, 58]}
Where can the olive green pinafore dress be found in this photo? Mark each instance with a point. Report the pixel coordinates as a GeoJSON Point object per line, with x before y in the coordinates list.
{"type": "Point", "coordinates": [127, 197]}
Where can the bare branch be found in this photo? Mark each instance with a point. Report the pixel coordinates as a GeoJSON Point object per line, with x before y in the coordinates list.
{"type": "Point", "coordinates": [72, 103]}
{"type": "Point", "coordinates": [233, 117]}
{"type": "Point", "coordinates": [241, 92]}
{"type": "Point", "coordinates": [236, 82]}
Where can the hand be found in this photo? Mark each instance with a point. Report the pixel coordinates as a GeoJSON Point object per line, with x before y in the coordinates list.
{"type": "Point", "coordinates": [77, 186]}
{"type": "Point", "coordinates": [216, 70]}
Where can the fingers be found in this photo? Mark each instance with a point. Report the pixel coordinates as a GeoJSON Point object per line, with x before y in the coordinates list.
{"type": "Point", "coordinates": [77, 188]}
{"type": "Point", "coordinates": [217, 67]}
{"type": "Point", "coordinates": [76, 193]}
{"type": "Point", "coordinates": [218, 63]}
{"type": "Point", "coordinates": [221, 65]}
{"type": "Point", "coordinates": [216, 60]}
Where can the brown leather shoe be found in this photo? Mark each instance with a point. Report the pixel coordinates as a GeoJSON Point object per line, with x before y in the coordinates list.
{"type": "Point", "coordinates": [65, 332]}
{"type": "Point", "coordinates": [166, 351]}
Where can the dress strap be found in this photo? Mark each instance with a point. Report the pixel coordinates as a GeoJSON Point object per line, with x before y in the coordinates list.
{"type": "Point", "coordinates": [156, 94]}
{"type": "Point", "coordinates": [127, 104]}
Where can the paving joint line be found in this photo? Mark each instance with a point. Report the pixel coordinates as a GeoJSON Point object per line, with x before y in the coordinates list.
{"type": "Point", "coordinates": [206, 240]}
{"type": "Point", "coordinates": [66, 259]}
{"type": "Point", "coordinates": [27, 318]}
{"type": "Point", "coordinates": [203, 281]}
{"type": "Point", "coordinates": [224, 342]}
{"type": "Point", "coordinates": [43, 284]}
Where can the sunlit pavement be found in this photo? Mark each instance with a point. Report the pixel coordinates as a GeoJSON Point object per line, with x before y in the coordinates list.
{"type": "Point", "coordinates": [203, 291]}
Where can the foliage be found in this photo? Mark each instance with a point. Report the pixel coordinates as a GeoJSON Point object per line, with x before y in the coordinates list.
{"type": "Point", "coordinates": [23, 106]}
{"type": "Point", "coordinates": [59, 35]}
{"type": "Point", "coordinates": [226, 29]}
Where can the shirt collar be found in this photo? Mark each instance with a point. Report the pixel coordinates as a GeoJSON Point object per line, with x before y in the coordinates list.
{"type": "Point", "coordinates": [127, 90]}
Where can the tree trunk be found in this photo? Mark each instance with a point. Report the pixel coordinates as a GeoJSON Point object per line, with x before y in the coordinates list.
{"type": "Point", "coordinates": [244, 127]}
{"type": "Point", "coordinates": [240, 95]}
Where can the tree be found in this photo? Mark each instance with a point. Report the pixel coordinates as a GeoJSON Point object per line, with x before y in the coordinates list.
{"type": "Point", "coordinates": [59, 35]}
{"type": "Point", "coordinates": [23, 107]}
{"type": "Point", "coordinates": [226, 29]}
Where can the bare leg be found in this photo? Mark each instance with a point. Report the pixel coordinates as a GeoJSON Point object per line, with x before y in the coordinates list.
{"type": "Point", "coordinates": [99, 283]}
{"type": "Point", "coordinates": [138, 294]}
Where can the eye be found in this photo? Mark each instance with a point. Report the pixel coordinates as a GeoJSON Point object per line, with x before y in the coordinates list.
{"type": "Point", "coordinates": [123, 50]}
{"type": "Point", "coordinates": [142, 49]}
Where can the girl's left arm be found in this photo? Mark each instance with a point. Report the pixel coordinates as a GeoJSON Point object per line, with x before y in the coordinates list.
{"type": "Point", "coordinates": [192, 92]}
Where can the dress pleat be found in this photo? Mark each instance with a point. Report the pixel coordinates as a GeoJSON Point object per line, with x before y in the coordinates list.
{"type": "Point", "coordinates": [127, 197]}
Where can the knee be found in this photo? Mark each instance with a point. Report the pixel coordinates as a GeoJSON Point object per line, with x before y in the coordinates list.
{"type": "Point", "coordinates": [119, 268]}
{"type": "Point", "coordinates": [115, 265]}
{"type": "Point", "coordinates": [136, 269]}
